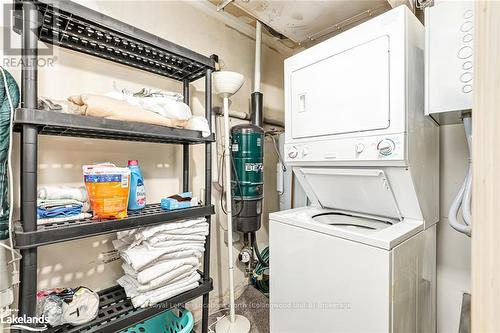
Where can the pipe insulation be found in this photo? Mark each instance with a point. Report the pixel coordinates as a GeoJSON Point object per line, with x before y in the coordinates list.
{"type": "Point", "coordinates": [464, 196]}
{"type": "Point", "coordinates": [258, 55]}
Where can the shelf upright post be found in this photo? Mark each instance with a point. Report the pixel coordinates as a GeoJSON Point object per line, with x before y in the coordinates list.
{"type": "Point", "coordinates": [185, 147]}
{"type": "Point", "coordinates": [29, 147]}
{"type": "Point", "coordinates": [208, 196]}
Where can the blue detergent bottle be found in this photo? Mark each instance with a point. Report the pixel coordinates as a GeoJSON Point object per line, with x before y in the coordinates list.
{"type": "Point", "coordinates": [137, 194]}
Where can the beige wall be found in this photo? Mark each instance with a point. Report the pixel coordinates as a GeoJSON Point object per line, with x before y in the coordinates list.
{"type": "Point", "coordinates": [453, 248]}
{"type": "Point", "coordinates": [60, 159]}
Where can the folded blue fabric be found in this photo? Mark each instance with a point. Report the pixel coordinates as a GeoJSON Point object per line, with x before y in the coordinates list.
{"type": "Point", "coordinates": [58, 211]}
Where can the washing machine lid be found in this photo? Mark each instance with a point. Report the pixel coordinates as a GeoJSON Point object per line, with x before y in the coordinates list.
{"type": "Point", "coordinates": [364, 191]}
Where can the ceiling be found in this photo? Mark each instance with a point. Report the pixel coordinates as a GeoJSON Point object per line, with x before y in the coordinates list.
{"type": "Point", "coordinates": [306, 22]}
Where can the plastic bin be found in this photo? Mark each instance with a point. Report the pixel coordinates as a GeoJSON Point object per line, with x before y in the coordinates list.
{"type": "Point", "coordinates": [174, 321]}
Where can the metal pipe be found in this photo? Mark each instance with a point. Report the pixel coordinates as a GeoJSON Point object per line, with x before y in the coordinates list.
{"type": "Point", "coordinates": [245, 116]}
{"type": "Point", "coordinates": [208, 197]}
{"type": "Point", "coordinates": [29, 144]}
{"type": "Point", "coordinates": [185, 147]}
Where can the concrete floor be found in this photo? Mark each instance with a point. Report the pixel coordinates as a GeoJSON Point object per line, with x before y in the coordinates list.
{"type": "Point", "coordinates": [252, 304]}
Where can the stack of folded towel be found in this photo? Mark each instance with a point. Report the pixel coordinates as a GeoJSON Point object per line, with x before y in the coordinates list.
{"type": "Point", "coordinates": [61, 203]}
{"type": "Point", "coordinates": [161, 261]}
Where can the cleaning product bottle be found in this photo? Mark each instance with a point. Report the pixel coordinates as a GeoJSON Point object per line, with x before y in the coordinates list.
{"type": "Point", "coordinates": [137, 197]}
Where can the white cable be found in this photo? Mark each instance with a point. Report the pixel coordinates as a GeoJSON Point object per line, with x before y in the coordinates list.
{"type": "Point", "coordinates": [10, 178]}
{"type": "Point", "coordinates": [210, 330]}
{"type": "Point", "coordinates": [466, 202]}
{"type": "Point", "coordinates": [464, 195]}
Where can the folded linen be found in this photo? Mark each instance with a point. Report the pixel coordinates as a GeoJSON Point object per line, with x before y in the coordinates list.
{"type": "Point", "coordinates": [48, 204]}
{"type": "Point", "coordinates": [50, 220]}
{"type": "Point", "coordinates": [172, 244]}
{"type": "Point", "coordinates": [144, 299]}
{"type": "Point", "coordinates": [110, 108]}
{"type": "Point", "coordinates": [174, 227]}
{"type": "Point", "coordinates": [165, 237]}
{"type": "Point", "coordinates": [134, 237]}
{"type": "Point", "coordinates": [140, 256]}
{"type": "Point", "coordinates": [53, 192]}
{"type": "Point", "coordinates": [165, 267]}
{"type": "Point", "coordinates": [162, 104]}
{"type": "Point", "coordinates": [68, 210]}
{"type": "Point", "coordinates": [174, 276]}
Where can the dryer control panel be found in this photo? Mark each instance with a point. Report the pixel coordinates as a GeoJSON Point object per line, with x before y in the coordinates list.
{"type": "Point", "coordinates": [373, 148]}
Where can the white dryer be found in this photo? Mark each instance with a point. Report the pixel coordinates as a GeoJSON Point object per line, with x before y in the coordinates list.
{"type": "Point", "coordinates": [361, 257]}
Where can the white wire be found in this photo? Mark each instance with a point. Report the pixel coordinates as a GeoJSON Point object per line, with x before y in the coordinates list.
{"type": "Point", "coordinates": [10, 177]}
{"type": "Point", "coordinates": [463, 197]}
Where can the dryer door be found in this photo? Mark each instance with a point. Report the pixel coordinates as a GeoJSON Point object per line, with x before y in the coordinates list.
{"type": "Point", "coordinates": [346, 92]}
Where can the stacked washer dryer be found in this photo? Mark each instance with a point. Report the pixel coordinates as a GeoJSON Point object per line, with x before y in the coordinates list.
{"type": "Point", "coordinates": [362, 256]}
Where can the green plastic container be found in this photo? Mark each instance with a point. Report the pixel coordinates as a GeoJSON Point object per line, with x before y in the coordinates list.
{"type": "Point", "coordinates": [247, 143]}
{"type": "Point", "coordinates": [166, 322]}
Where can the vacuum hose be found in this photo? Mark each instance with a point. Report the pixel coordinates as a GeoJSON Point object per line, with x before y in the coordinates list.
{"type": "Point", "coordinates": [464, 196]}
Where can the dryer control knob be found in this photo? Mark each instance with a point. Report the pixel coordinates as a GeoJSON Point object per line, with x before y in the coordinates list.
{"type": "Point", "coordinates": [293, 152]}
{"type": "Point", "coordinates": [385, 147]}
{"type": "Point", "coordinates": [359, 148]}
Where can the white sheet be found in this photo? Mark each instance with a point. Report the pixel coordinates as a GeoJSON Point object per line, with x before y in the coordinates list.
{"type": "Point", "coordinates": [144, 299]}
{"type": "Point", "coordinates": [165, 106]}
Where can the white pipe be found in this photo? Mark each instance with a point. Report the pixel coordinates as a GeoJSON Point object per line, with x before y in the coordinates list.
{"type": "Point", "coordinates": [210, 9]}
{"type": "Point", "coordinates": [227, 159]}
{"type": "Point", "coordinates": [258, 55]}
{"type": "Point", "coordinates": [463, 197]}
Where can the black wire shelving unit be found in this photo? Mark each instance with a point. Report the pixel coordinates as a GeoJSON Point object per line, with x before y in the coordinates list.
{"type": "Point", "coordinates": [70, 25]}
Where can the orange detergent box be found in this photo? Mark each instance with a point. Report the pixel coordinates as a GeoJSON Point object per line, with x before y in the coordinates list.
{"type": "Point", "coordinates": [108, 190]}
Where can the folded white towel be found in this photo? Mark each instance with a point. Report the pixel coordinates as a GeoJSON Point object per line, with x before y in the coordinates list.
{"type": "Point", "coordinates": [144, 299]}
{"type": "Point", "coordinates": [181, 273]}
{"type": "Point", "coordinates": [164, 237]}
{"type": "Point", "coordinates": [170, 244]}
{"type": "Point", "coordinates": [140, 256]}
{"type": "Point", "coordinates": [52, 192]}
{"type": "Point", "coordinates": [165, 267]}
{"type": "Point", "coordinates": [130, 239]}
{"type": "Point", "coordinates": [187, 224]}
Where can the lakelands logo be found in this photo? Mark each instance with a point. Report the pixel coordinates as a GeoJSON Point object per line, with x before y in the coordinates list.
{"type": "Point", "coordinates": [31, 324]}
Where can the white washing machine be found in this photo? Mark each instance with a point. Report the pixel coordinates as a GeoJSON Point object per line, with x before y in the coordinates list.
{"type": "Point", "coordinates": [361, 257]}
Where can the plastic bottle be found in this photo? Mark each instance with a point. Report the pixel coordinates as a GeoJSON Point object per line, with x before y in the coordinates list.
{"type": "Point", "coordinates": [137, 197]}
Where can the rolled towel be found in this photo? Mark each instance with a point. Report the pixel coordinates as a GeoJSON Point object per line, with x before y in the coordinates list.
{"type": "Point", "coordinates": [53, 192]}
